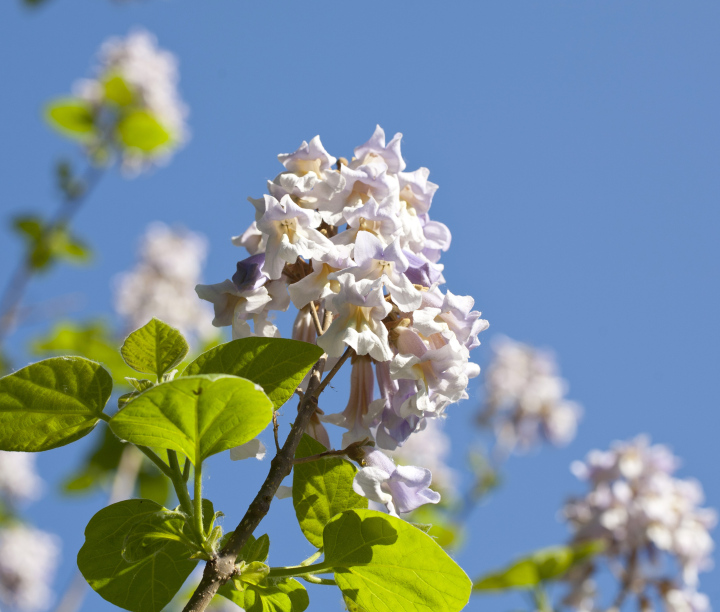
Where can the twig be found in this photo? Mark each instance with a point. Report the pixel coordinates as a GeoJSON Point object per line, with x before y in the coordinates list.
{"type": "Point", "coordinates": [316, 319]}
{"type": "Point", "coordinates": [351, 450]}
{"type": "Point", "coordinates": [222, 566]}
{"type": "Point", "coordinates": [275, 431]}
{"type": "Point", "coordinates": [348, 353]}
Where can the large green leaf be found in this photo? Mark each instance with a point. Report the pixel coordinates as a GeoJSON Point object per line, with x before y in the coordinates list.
{"type": "Point", "coordinates": [155, 348]}
{"type": "Point", "coordinates": [73, 117]}
{"type": "Point", "coordinates": [142, 130]}
{"type": "Point", "coordinates": [384, 564]}
{"type": "Point", "coordinates": [543, 565]}
{"type": "Point", "coordinates": [276, 364]}
{"type": "Point", "coordinates": [287, 596]}
{"type": "Point", "coordinates": [322, 489]}
{"type": "Point", "coordinates": [145, 584]}
{"type": "Point", "coordinates": [198, 416]}
{"type": "Point", "coordinates": [51, 403]}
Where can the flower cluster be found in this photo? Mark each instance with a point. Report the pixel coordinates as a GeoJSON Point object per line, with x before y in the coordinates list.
{"type": "Point", "coordinates": [640, 511]}
{"type": "Point", "coordinates": [134, 102]}
{"type": "Point", "coordinates": [163, 281]}
{"type": "Point", "coordinates": [28, 558]}
{"type": "Point", "coordinates": [525, 398]}
{"type": "Point", "coordinates": [352, 246]}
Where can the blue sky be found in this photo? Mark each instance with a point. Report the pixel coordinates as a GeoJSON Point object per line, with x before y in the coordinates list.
{"type": "Point", "coordinates": [576, 149]}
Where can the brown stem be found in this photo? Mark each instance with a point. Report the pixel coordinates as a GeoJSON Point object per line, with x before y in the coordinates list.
{"type": "Point", "coordinates": [348, 353]}
{"type": "Point", "coordinates": [222, 566]}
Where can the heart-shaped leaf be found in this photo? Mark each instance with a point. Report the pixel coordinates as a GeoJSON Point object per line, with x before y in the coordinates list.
{"type": "Point", "coordinates": [198, 416]}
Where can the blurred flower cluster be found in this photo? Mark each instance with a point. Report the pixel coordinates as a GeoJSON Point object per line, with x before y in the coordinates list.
{"type": "Point", "coordinates": [131, 107]}
{"type": "Point", "coordinates": [352, 246]}
{"type": "Point", "coordinates": [525, 398]}
{"type": "Point", "coordinates": [162, 284]}
{"type": "Point", "coordinates": [656, 534]}
{"type": "Point", "coordinates": [28, 556]}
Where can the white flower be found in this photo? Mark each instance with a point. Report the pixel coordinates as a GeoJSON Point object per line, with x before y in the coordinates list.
{"type": "Point", "coordinates": [375, 261]}
{"type": "Point", "coordinates": [290, 234]}
{"type": "Point", "coordinates": [360, 308]}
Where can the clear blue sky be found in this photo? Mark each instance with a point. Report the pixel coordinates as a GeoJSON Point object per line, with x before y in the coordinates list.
{"type": "Point", "coordinates": [576, 145]}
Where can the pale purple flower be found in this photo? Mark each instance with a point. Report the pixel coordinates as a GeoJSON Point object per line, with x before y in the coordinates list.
{"type": "Point", "coordinates": [307, 158]}
{"type": "Point", "coordinates": [422, 271]}
{"type": "Point", "coordinates": [252, 239]}
{"type": "Point", "coordinates": [416, 191]}
{"type": "Point", "coordinates": [360, 308]}
{"type": "Point", "coordinates": [291, 233]}
{"type": "Point", "coordinates": [439, 373]}
{"type": "Point", "coordinates": [375, 147]}
{"type": "Point", "coordinates": [400, 488]}
{"type": "Point", "coordinates": [375, 261]}
{"type": "Point", "coordinates": [380, 219]}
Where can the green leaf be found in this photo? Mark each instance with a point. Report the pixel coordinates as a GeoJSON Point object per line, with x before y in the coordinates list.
{"type": "Point", "coordinates": [118, 91]}
{"type": "Point", "coordinates": [543, 565]}
{"type": "Point", "coordinates": [384, 564]}
{"type": "Point", "coordinates": [145, 585]}
{"type": "Point", "coordinates": [92, 340]}
{"type": "Point", "coordinates": [322, 489]}
{"type": "Point", "coordinates": [51, 403]}
{"type": "Point", "coordinates": [286, 596]}
{"type": "Point", "coordinates": [141, 130]}
{"type": "Point", "coordinates": [155, 348]}
{"type": "Point", "coordinates": [73, 117]}
{"type": "Point", "coordinates": [276, 364]}
{"type": "Point", "coordinates": [198, 416]}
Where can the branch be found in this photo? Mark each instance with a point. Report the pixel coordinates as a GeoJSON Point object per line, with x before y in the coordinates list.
{"type": "Point", "coordinates": [348, 352]}
{"type": "Point", "coordinates": [222, 566]}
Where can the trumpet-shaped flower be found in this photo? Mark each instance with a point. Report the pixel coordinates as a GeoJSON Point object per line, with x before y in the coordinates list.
{"type": "Point", "coordinates": [375, 147]}
{"type": "Point", "coordinates": [360, 411]}
{"type": "Point", "coordinates": [291, 233]}
{"type": "Point", "coordinates": [375, 261]}
{"type": "Point", "coordinates": [360, 307]}
{"type": "Point", "coordinates": [402, 488]}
